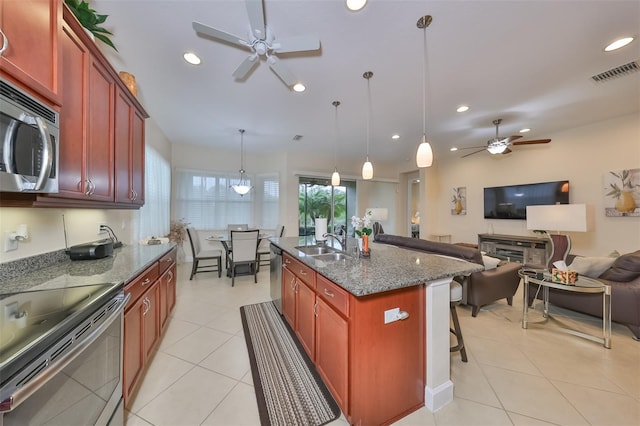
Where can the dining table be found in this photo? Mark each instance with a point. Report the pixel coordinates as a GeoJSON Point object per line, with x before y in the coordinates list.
{"type": "Point", "coordinates": [225, 240]}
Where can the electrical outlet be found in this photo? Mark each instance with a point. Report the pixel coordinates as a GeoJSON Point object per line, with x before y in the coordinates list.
{"type": "Point", "coordinates": [9, 244]}
{"type": "Point", "coordinates": [99, 225]}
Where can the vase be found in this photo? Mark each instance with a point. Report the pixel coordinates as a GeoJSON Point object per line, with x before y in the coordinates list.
{"type": "Point", "coordinates": [365, 244]}
{"type": "Point", "coordinates": [360, 244]}
{"type": "Point", "coordinates": [129, 81]}
{"type": "Point", "coordinates": [626, 203]}
{"type": "Point", "coordinates": [458, 206]}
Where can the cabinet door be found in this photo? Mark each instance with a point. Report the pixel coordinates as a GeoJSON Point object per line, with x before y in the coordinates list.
{"type": "Point", "coordinates": [137, 157]}
{"type": "Point", "coordinates": [32, 29]}
{"type": "Point", "coordinates": [167, 295]}
{"type": "Point", "coordinates": [332, 351]}
{"type": "Point", "coordinates": [305, 317]}
{"type": "Point", "coordinates": [289, 296]}
{"type": "Point", "coordinates": [122, 136]}
{"type": "Point", "coordinates": [99, 135]}
{"type": "Point", "coordinates": [133, 352]}
{"type": "Point", "coordinates": [151, 319]}
{"type": "Point", "coordinates": [73, 116]}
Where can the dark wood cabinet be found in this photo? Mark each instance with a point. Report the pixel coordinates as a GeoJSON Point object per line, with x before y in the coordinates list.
{"type": "Point", "coordinates": [305, 327]}
{"type": "Point", "coordinates": [133, 358]}
{"type": "Point", "coordinates": [32, 60]}
{"type": "Point", "coordinates": [288, 294]}
{"type": "Point", "coordinates": [129, 151]}
{"type": "Point", "coordinates": [151, 320]}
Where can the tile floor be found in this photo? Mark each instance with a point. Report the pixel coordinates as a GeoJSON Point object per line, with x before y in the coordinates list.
{"type": "Point", "coordinates": [200, 374]}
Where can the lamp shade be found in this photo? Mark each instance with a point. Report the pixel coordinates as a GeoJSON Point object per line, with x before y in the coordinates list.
{"type": "Point", "coordinates": [335, 178]}
{"type": "Point", "coordinates": [557, 217]}
{"type": "Point", "coordinates": [497, 148]}
{"type": "Point", "coordinates": [424, 156]}
{"type": "Point", "coordinates": [367, 170]}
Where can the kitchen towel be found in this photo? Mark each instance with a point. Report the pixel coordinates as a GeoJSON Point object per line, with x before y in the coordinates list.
{"type": "Point", "coordinates": [321, 228]}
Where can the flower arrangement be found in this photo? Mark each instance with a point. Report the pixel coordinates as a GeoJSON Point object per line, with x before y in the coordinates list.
{"type": "Point", "coordinates": [178, 231]}
{"type": "Point", "coordinates": [362, 225]}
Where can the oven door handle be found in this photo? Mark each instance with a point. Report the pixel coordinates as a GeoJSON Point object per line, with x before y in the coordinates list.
{"type": "Point", "coordinates": [21, 394]}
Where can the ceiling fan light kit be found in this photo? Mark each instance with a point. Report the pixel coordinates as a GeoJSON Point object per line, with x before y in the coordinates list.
{"type": "Point", "coordinates": [355, 5]}
{"type": "Point", "coordinates": [500, 145]}
{"type": "Point", "coordinates": [367, 167]}
{"type": "Point", "coordinates": [424, 154]}
{"type": "Point", "coordinates": [262, 43]}
{"type": "Point", "coordinates": [242, 188]}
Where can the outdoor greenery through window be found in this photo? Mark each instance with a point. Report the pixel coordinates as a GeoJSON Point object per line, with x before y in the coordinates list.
{"type": "Point", "coordinates": [205, 200]}
{"type": "Point", "coordinates": [316, 196]}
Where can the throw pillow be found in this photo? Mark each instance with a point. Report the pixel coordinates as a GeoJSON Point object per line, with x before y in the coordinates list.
{"type": "Point", "coordinates": [624, 269]}
{"type": "Point", "coordinates": [591, 266]}
{"type": "Point", "coordinates": [490, 262]}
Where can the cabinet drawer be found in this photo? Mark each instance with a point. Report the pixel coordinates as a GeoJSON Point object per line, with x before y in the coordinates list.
{"type": "Point", "coordinates": [167, 260]}
{"type": "Point", "coordinates": [300, 270]}
{"type": "Point", "coordinates": [335, 296]}
{"type": "Point", "coordinates": [137, 286]}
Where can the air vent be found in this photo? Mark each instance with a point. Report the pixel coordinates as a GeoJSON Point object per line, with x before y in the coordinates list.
{"type": "Point", "coordinates": [26, 101]}
{"type": "Point", "coordinates": [297, 137]}
{"type": "Point", "coordinates": [617, 72]}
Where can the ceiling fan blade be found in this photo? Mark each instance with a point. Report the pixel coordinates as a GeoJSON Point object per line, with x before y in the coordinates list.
{"type": "Point", "coordinates": [297, 44]}
{"type": "Point", "coordinates": [480, 150]}
{"type": "Point", "coordinates": [244, 68]}
{"type": "Point", "coordinates": [281, 71]}
{"type": "Point", "coordinates": [512, 138]}
{"type": "Point", "coordinates": [532, 142]}
{"type": "Point", "coordinates": [256, 18]}
{"type": "Point", "coordinates": [218, 34]}
{"type": "Point", "coordinates": [474, 147]}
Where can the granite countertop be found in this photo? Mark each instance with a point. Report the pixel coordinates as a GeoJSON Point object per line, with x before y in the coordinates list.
{"type": "Point", "coordinates": [388, 268]}
{"type": "Point", "coordinates": [126, 262]}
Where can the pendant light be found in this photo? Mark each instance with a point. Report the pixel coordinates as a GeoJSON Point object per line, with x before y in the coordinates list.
{"type": "Point", "coordinates": [367, 167]}
{"type": "Point", "coordinates": [335, 177]}
{"type": "Point", "coordinates": [242, 188]}
{"type": "Point", "coordinates": [424, 156]}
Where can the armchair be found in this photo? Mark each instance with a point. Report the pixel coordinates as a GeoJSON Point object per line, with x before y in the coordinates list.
{"type": "Point", "coordinates": [488, 286]}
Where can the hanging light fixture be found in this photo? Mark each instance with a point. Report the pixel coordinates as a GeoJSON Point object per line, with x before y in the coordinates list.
{"type": "Point", "coordinates": [242, 187]}
{"type": "Point", "coordinates": [424, 156]}
{"type": "Point", "coordinates": [367, 167]}
{"type": "Point", "coordinates": [335, 177]}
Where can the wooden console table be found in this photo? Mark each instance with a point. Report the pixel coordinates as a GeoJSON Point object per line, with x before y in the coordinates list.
{"type": "Point", "coordinates": [532, 251]}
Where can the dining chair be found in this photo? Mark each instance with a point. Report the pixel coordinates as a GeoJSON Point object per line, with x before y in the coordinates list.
{"type": "Point", "coordinates": [229, 247]}
{"type": "Point", "coordinates": [264, 250]}
{"type": "Point", "coordinates": [245, 252]}
{"type": "Point", "coordinates": [203, 255]}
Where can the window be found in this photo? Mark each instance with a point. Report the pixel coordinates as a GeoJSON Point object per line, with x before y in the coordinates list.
{"type": "Point", "coordinates": [154, 215]}
{"type": "Point", "coordinates": [316, 196]}
{"type": "Point", "coordinates": [205, 201]}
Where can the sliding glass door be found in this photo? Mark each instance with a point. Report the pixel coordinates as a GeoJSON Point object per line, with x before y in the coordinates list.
{"type": "Point", "coordinates": [317, 198]}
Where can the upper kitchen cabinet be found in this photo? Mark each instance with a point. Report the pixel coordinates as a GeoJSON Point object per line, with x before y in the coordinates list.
{"type": "Point", "coordinates": [31, 30]}
{"type": "Point", "coordinates": [129, 150]}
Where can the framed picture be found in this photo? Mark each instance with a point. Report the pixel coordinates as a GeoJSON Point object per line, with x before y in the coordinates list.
{"type": "Point", "coordinates": [622, 193]}
{"type": "Point", "coordinates": [459, 201]}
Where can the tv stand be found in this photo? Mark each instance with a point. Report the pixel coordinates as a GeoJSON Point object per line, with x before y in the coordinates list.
{"type": "Point", "coordinates": [530, 251]}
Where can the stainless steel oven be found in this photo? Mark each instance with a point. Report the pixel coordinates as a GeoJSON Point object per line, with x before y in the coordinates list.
{"type": "Point", "coordinates": [61, 356]}
{"type": "Point", "coordinates": [29, 133]}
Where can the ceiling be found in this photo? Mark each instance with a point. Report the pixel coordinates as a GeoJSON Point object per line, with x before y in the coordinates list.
{"type": "Point", "coordinates": [527, 62]}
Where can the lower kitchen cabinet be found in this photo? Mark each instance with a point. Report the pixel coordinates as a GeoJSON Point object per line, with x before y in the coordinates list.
{"type": "Point", "coordinates": [153, 296]}
{"type": "Point", "coordinates": [375, 371]}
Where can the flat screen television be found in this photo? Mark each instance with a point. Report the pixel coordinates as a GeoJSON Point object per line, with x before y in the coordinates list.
{"type": "Point", "coordinates": [510, 202]}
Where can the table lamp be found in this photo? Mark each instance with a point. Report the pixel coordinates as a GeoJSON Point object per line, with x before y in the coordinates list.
{"type": "Point", "coordinates": [558, 217]}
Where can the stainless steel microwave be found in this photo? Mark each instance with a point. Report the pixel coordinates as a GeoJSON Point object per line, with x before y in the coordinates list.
{"type": "Point", "coordinates": [29, 133]}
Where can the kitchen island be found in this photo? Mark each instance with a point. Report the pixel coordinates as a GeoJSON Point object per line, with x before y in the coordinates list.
{"type": "Point", "coordinates": [385, 313]}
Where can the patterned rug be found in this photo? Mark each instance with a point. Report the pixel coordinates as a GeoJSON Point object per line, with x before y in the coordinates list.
{"type": "Point", "coordinates": [288, 388]}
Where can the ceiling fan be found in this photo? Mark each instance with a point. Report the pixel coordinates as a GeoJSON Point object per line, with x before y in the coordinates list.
{"type": "Point", "coordinates": [261, 42]}
{"type": "Point", "coordinates": [500, 145]}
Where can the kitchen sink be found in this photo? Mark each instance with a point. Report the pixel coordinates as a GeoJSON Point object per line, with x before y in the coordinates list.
{"type": "Point", "coordinates": [316, 250]}
{"type": "Point", "coordinates": [329, 257]}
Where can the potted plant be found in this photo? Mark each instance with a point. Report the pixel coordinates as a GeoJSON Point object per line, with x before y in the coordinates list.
{"type": "Point", "coordinates": [623, 193]}
{"type": "Point", "coordinates": [91, 20]}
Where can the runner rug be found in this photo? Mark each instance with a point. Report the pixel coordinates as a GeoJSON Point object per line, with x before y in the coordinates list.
{"type": "Point", "coordinates": [288, 388]}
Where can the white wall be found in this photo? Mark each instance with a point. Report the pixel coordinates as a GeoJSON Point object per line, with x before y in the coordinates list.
{"type": "Point", "coordinates": [581, 155]}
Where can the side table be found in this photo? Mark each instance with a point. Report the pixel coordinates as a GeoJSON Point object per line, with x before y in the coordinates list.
{"type": "Point", "coordinates": [582, 285]}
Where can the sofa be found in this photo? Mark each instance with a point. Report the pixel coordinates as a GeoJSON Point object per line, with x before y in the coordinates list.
{"type": "Point", "coordinates": [624, 278]}
{"type": "Point", "coordinates": [480, 288]}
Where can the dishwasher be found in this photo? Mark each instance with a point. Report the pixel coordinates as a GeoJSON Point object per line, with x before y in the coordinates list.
{"type": "Point", "coordinates": [275, 268]}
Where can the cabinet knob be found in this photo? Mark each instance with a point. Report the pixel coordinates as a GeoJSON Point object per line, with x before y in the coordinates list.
{"type": "Point", "coordinates": [146, 281]}
{"type": "Point", "coordinates": [328, 293]}
{"type": "Point", "coordinates": [5, 43]}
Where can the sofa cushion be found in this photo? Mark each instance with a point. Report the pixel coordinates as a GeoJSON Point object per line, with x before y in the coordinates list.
{"type": "Point", "coordinates": [464, 253]}
{"type": "Point", "coordinates": [490, 262]}
{"type": "Point", "coordinates": [591, 266]}
{"type": "Point", "coordinates": [625, 268]}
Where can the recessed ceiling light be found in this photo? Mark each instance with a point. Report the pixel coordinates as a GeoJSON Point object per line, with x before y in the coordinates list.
{"type": "Point", "coordinates": [525, 130]}
{"type": "Point", "coordinates": [192, 58]}
{"type": "Point", "coordinates": [355, 5]}
{"type": "Point", "coordinates": [453, 149]}
{"type": "Point", "coordinates": [621, 42]}
{"type": "Point", "coordinates": [462, 108]}
{"type": "Point", "coordinates": [394, 137]}
{"type": "Point", "coordinates": [299, 87]}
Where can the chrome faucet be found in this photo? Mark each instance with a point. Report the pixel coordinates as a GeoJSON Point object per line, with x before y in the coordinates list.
{"type": "Point", "coordinates": [342, 239]}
